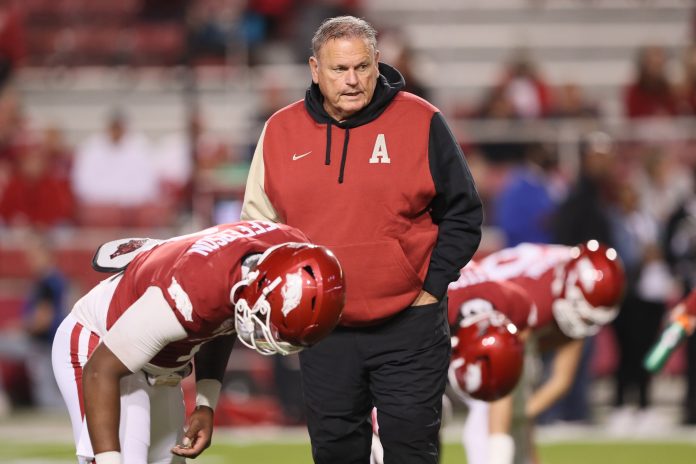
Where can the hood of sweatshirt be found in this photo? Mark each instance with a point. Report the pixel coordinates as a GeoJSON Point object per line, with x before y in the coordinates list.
{"type": "Point", "coordinates": [389, 83]}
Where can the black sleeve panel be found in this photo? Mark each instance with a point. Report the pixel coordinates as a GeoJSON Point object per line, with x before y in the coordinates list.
{"type": "Point", "coordinates": [456, 209]}
{"type": "Point", "coordinates": [211, 361]}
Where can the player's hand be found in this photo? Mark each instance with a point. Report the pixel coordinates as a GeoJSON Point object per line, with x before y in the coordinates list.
{"type": "Point", "coordinates": [198, 433]}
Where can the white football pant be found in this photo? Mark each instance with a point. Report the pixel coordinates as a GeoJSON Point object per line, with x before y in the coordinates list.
{"type": "Point", "coordinates": [152, 418]}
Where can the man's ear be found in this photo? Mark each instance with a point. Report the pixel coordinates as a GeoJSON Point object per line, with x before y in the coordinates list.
{"type": "Point", "coordinates": [314, 68]}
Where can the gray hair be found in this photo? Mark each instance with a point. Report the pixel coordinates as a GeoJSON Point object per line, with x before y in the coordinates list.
{"type": "Point", "coordinates": [344, 27]}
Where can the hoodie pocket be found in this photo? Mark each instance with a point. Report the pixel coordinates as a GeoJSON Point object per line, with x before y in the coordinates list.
{"type": "Point", "coordinates": [380, 281]}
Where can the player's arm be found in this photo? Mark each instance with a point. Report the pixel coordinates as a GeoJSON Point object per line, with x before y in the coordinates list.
{"type": "Point", "coordinates": [102, 399]}
{"type": "Point", "coordinates": [211, 364]}
{"type": "Point", "coordinates": [563, 369]}
{"type": "Point", "coordinates": [140, 333]}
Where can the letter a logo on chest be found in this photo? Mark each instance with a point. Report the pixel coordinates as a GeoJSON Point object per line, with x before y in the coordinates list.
{"type": "Point", "coordinates": [379, 153]}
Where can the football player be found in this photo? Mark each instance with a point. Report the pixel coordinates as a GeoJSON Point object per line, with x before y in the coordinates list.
{"type": "Point", "coordinates": [487, 345]}
{"type": "Point", "coordinates": [564, 294]}
{"type": "Point", "coordinates": [174, 306]}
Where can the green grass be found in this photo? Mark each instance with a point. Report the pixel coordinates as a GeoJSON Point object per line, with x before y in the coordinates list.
{"type": "Point", "coordinates": [619, 453]}
{"type": "Point", "coordinates": [269, 453]}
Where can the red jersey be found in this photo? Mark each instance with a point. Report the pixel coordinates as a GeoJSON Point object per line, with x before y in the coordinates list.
{"type": "Point", "coordinates": [504, 296]}
{"type": "Point", "coordinates": [531, 268]}
{"type": "Point", "coordinates": [196, 273]}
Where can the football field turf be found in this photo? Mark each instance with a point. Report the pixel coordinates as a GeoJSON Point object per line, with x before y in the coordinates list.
{"type": "Point", "coordinates": [270, 453]}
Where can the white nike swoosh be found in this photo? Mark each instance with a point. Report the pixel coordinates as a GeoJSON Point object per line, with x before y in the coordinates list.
{"type": "Point", "coordinates": [296, 157]}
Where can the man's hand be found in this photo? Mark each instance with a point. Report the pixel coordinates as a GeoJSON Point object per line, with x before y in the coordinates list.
{"type": "Point", "coordinates": [424, 298]}
{"type": "Point", "coordinates": [198, 433]}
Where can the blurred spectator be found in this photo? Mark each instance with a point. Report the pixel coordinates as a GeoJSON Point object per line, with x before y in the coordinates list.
{"type": "Point", "coordinates": [648, 285]}
{"type": "Point", "coordinates": [181, 155]}
{"type": "Point", "coordinates": [663, 183]}
{"type": "Point", "coordinates": [583, 215]}
{"type": "Point", "coordinates": [308, 15]}
{"type": "Point", "coordinates": [163, 10]}
{"type": "Point", "coordinates": [114, 178]}
{"type": "Point", "coordinates": [570, 102]}
{"type": "Point", "coordinates": [12, 45]}
{"type": "Point", "coordinates": [524, 208]}
{"type": "Point", "coordinates": [498, 107]}
{"type": "Point", "coordinates": [275, 14]}
{"type": "Point", "coordinates": [273, 96]}
{"type": "Point", "coordinates": [680, 252]}
{"type": "Point", "coordinates": [524, 88]}
{"type": "Point", "coordinates": [396, 51]}
{"type": "Point", "coordinates": [37, 194]}
{"type": "Point", "coordinates": [220, 31]}
{"type": "Point", "coordinates": [651, 94]}
{"type": "Point", "coordinates": [11, 131]}
{"type": "Point", "coordinates": [42, 312]}
{"type": "Point", "coordinates": [56, 149]}
{"type": "Point", "coordinates": [686, 90]}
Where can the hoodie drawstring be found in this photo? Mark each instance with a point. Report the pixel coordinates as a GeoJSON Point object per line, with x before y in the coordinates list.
{"type": "Point", "coordinates": [327, 160]}
{"type": "Point", "coordinates": [343, 155]}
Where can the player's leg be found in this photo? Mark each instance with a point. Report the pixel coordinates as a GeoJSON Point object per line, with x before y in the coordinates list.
{"type": "Point", "coordinates": [167, 428]}
{"type": "Point", "coordinates": [337, 399]}
{"type": "Point", "coordinates": [72, 346]}
{"type": "Point", "coordinates": [134, 431]}
{"type": "Point", "coordinates": [408, 358]}
{"type": "Point", "coordinates": [522, 429]}
{"type": "Point", "coordinates": [475, 432]}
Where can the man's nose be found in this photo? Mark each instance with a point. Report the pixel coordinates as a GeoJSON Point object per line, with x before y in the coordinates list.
{"type": "Point", "coordinates": [351, 77]}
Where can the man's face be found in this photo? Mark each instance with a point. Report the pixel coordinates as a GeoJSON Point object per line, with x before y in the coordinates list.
{"type": "Point", "coordinates": [346, 72]}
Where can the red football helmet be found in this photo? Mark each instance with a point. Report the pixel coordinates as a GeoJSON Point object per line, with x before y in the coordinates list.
{"type": "Point", "coordinates": [588, 289]}
{"type": "Point", "coordinates": [292, 299]}
{"type": "Point", "coordinates": [487, 357]}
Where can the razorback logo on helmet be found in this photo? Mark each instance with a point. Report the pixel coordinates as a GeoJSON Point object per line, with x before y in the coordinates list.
{"type": "Point", "coordinates": [292, 299]}
{"type": "Point", "coordinates": [128, 247]}
{"type": "Point", "coordinates": [291, 291]}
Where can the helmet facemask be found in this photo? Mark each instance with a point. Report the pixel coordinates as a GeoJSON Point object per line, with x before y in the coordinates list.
{"type": "Point", "coordinates": [591, 274]}
{"type": "Point", "coordinates": [253, 323]}
{"type": "Point", "coordinates": [487, 356]}
{"type": "Point", "coordinates": [577, 318]}
{"type": "Point", "coordinates": [279, 298]}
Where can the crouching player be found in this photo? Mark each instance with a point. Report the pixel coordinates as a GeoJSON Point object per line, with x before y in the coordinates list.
{"type": "Point", "coordinates": [569, 294]}
{"type": "Point", "coordinates": [173, 307]}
